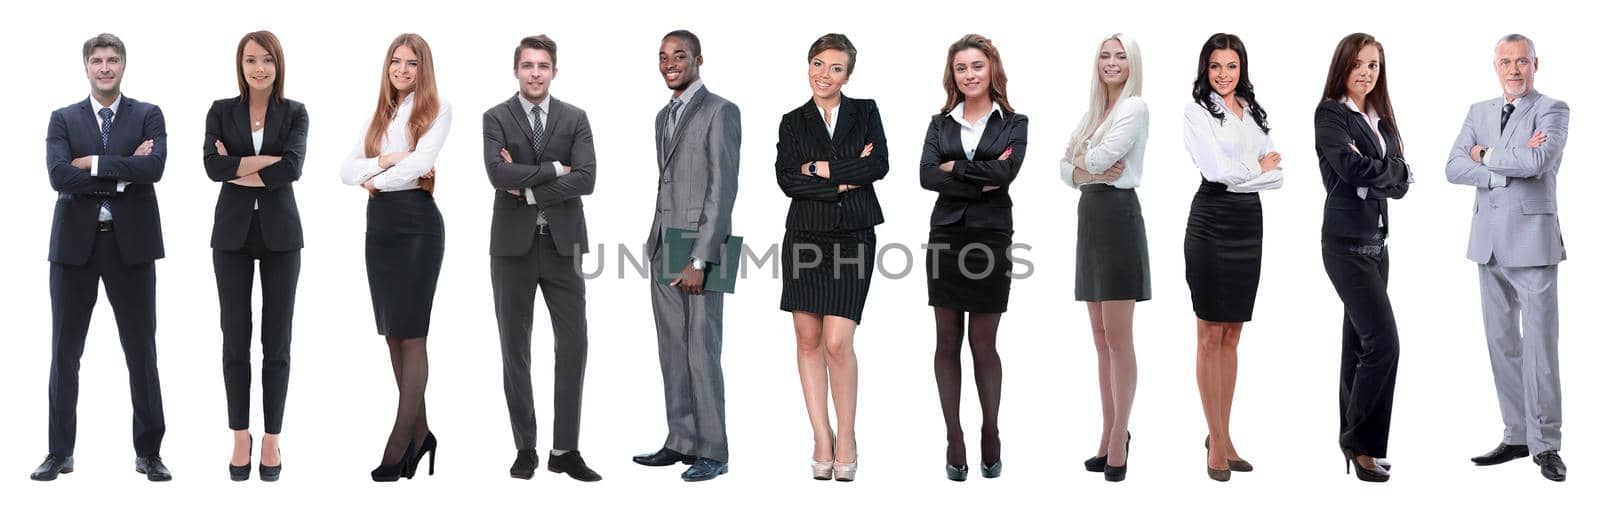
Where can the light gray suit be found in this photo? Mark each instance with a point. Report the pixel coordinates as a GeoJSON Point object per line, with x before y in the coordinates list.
{"type": "Point", "coordinates": [1516, 241]}
{"type": "Point", "coordinates": [698, 160]}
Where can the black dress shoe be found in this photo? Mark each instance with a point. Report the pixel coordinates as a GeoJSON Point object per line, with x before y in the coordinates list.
{"type": "Point", "coordinates": [992, 470]}
{"type": "Point", "coordinates": [53, 466]}
{"type": "Point", "coordinates": [242, 473]}
{"type": "Point", "coordinates": [1502, 454]}
{"type": "Point", "coordinates": [572, 464]}
{"type": "Point", "coordinates": [527, 461]}
{"type": "Point", "coordinates": [429, 447]}
{"type": "Point", "coordinates": [1376, 475]}
{"type": "Point", "coordinates": [152, 468]}
{"type": "Point", "coordinates": [271, 473]}
{"type": "Point", "coordinates": [664, 457]}
{"type": "Point", "coordinates": [705, 469]}
{"type": "Point", "coordinates": [1551, 466]}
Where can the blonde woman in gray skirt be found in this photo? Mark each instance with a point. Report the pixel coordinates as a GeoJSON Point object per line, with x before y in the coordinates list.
{"type": "Point", "coordinates": [1103, 162]}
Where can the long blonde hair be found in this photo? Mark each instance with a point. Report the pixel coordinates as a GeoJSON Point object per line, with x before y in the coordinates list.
{"type": "Point", "coordinates": [1096, 116]}
{"type": "Point", "coordinates": [424, 96]}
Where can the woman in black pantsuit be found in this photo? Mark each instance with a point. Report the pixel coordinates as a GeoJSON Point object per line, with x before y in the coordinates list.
{"type": "Point", "coordinates": [1363, 165]}
{"type": "Point", "coordinates": [255, 144]}
{"type": "Point", "coordinates": [972, 152]}
{"type": "Point", "coordinates": [830, 151]}
{"type": "Point", "coordinates": [405, 235]}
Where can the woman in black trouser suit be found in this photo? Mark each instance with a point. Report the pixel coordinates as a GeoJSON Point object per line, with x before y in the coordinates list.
{"type": "Point", "coordinates": [1362, 160]}
{"type": "Point", "coordinates": [254, 146]}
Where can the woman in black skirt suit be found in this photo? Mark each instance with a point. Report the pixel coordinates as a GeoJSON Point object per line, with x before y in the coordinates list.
{"type": "Point", "coordinates": [1104, 161]}
{"type": "Point", "coordinates": [257, 222]}
{"type": "Point", "coordinates": [1225, 131]}
{"type": "Point", "coordinates": [973, 150]}
{"type": "Point", "coordinates": [830, 151]}
{"type": "Point", "coordinates": [1363, 165]}
{"type": "Point", "coordinates": [405, 234]}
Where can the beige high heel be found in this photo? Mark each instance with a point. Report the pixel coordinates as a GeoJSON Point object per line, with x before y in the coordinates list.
{"type": "Point", "coordinates": [823, 469]}
{"type": "Point", "coordinates": [845, 472]}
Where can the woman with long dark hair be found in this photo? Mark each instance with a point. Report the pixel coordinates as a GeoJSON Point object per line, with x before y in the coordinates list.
{"type": "Point", "coordinates": [1225, 132]}
{"type": "Point", "coordinates": [1363, 165]}
{"type": "Point", "coordinates": [405, 235]}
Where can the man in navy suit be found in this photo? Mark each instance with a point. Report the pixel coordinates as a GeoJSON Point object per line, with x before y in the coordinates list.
{"type": "Point", "coordinates": [104, 156]}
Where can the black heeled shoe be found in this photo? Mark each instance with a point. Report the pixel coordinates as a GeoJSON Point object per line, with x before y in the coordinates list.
{"type": "Point", "coordinates": [1377, 474]}
{"type": "Point", "coordinates": [1097, 464]}
{"type": "Point", "coordinates": [1119, 473]}
{"type": "Point", "coordinates": [242, 473]}
{"type": "Point", "coordinates": [393, 472]}
{"type": "Point", "coordinates": [955, 473]}
{"type": "Point", "coordinates": [271, 473]}
{"type": "Point", "coordinates": [430, 446]}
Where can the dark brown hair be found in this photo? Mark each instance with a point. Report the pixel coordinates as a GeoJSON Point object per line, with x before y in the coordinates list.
{"type": "Point", "coordinates": [270, 43]}
{"type": "Point", "coordinates": [1344, 62]}
{"type": "Point", "coordinates": [1244, 90]}
{"type": "Point", "coordinates": [997, 72]}
{"type": "Point", "coordinates": [104, 41]}
{"type": "Point", "coordinates": [835, 42]}
{"type": "Point", "coordinates": [538, 42]}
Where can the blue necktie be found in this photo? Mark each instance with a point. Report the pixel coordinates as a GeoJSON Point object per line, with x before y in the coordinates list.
{"type": "Point", "coordinates": [105, 146]}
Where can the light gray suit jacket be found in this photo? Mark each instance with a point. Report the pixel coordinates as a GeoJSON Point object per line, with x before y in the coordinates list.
{"type": "Point", "coordinates": [699, 175]}
{"type": "Point", "coordinates": [1515, 225]}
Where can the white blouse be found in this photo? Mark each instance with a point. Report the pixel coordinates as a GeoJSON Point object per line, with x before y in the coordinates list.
{"type": "Point", "coordinates": [1229, 152]}
{"type": "Point", "coordinates": [1119, 138]}
{"type": "Point", "coordinates": [358, 168]}
{"type": "Point", "coordinates": [972, 133]}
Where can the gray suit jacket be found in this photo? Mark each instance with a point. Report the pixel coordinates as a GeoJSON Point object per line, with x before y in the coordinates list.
{"type": "Point", "coordinates": [567, 140]}
{"type": "Point", "coordinates": [1516, 224]}
{"type": "Point", "coordinates": [699, 175]}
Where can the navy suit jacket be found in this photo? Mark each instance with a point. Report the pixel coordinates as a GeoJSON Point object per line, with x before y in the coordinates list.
{"type": "Point", "coordinates": [75, 132]}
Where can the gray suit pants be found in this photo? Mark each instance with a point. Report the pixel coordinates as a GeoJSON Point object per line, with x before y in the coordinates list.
{"type": "Point", "coordinates": [1519, 318]}
{"type": "Point", "coordinates": [689, 338]}
{"type": "Point", "coordinates": [516, 280]}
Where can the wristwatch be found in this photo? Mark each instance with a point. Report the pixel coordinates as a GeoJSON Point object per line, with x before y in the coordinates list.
{"type": "Point", "coordinates": [696, 264]}
{"type": "Point", "coordinates": [1482, 151]}
{"type": "Point", "coordinates": [812, 169]}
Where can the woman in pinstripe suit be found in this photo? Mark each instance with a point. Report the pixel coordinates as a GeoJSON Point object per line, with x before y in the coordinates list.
{"type": "Point", "coordinates": [830, 151]}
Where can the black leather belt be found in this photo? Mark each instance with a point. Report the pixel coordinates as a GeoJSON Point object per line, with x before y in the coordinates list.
{"type": "Point", "coordinates": [104, 226]}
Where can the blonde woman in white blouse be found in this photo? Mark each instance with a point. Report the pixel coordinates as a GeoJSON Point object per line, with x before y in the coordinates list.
{"type": "Point", "coordinates": [405, 235]}
{"type": "Point", "coordinates": [1225, 131]}
{"type": "Point", "coordinates": [1104, 161]}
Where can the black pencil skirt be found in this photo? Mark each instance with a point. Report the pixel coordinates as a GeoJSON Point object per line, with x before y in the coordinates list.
{"type": "Point", "coordinates": [1222, 253]}
{"type": "Point", "coordinates": [969, 269]}
{"type": "Point", "coordinates": [405, 247]}
{"type": "Point", "coordinates": [1113, 256]}
{"type": "Point", "coordinates": [828, 272]}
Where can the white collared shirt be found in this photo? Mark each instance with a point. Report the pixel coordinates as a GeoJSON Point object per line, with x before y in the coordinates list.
{"type": "Point", "coordinates": [1120, 137]}
{"type": "Point", "coordinates": [94, 160]}
{"type": "Point", "coordinates": [684, 98]}
{"type": "Point", "coordinates": [1372, 118]}
{"type": "Point", "coordinates": [972, 133]}
{"type": "Point", "coordinates": [1496, 180]}
{"type": "Point", "coordinates": [830, 117]}
{"type": "Point", "coordinates": [1229, 152]}
{"type": "Point", "coordinates": [358, 168]}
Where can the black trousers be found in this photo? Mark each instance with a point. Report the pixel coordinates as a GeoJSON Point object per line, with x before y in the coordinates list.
{"type": "Point", "coordinates": [132, 292]}
{"type": "Point", "coordinates": [516, 281]}
{"type": "Point", "coordinates": [280, 274]}
{"type": "Point", "coordinates": [1370, 357]}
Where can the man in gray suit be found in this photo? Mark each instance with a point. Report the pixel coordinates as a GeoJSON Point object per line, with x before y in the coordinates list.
{"type": "Point", "coordinates": [540, 157]}
{"type": "Point", "coordinates": [697, 150]}
{"type": "Point", "coordinates": [1510, 151]}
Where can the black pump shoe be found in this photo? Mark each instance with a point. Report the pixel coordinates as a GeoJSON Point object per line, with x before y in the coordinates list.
{"type": "Point", "coordinates": [242, 473]}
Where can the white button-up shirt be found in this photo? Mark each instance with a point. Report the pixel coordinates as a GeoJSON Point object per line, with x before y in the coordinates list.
{"type": "Point", "coordinates": [358, 167]}
{"type": "Point", "coordinates": [1229, 152]}
{"type": "Point", "coordinates": [1120, 137]}
{"type": "Point", "coordinates": [94, 160]}
{"type": "Point", "coordinates": [972, 133]}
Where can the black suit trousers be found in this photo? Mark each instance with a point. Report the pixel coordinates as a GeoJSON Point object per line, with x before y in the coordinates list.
{"type": "Point", "coordinates": [132, 292]}
{"type": "Point", "coordinates": [516, 281]}
{"type": "Point", "coordinates": [1369, 360]}
{"type": "Point", "coordinates": [280, 274]}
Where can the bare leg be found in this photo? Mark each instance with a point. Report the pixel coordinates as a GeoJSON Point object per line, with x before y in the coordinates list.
{"type": "Point", "coordinates": [1208, 372]}
{"type": "Point", "coordinates": [1230, 377]}
{"type": "Point", "coordinates": [1117, 320]}
{"type": "Point", "coordinates": [1108, 408]}
{"type": "Point", "coordinates": [814, 382]}
{"type": "Point", "coordinates": [241, 448]}
{"type": "Point", "coordinates": [269, 450]}
{"type": "Point", "coordinates": [838, 335]}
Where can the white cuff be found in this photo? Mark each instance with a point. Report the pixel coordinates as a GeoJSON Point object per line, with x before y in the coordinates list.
{"type": "Point", "coordinates": [561, 170]}
{"type": "Point", "coordinates": [121, 185]}
{"type": "Point", "coordinates": [527, 195]}
{"type": "Point", "coordinates": [1497, 181]}
{"type": "Point", "coordinates": [94, 165]}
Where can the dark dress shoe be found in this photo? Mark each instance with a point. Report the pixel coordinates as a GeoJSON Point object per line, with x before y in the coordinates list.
{"type": "Point", "coordinates": [704, 469]}
{"type": "Point", "coordinates": [1502, 454]}
{"type": "Point", "coordinates": [572, 464]}
{"type": "Point", "coordinates": [270, 473]}
{"type": "Point", "coordinates": [663, 457]}
{"type": "Point", "coordinates": [991, 470]}
{"type": "Point", "coordinates": [1095, 464]}
{"type": "Point", "coordinates": [152, 468]}
{"type": "Point", "coordinates": [527, 461]}
{"type": "Point", "coordinates": [429, 447]}
{"type": "Point", "coordinates": [242, 473]}
{"type": "Point", "coordinates": [1551, 466]}
{"type": "Point", "coordinates": [53, 466]}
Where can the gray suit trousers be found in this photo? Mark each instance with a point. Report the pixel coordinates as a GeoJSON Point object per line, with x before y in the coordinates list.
{"type": "Point", "coordinates": [1527, 373]}
{"type": "Point", "coordinates": [689, 338]}
{"type": "Point", "coordinates": [516, 280]}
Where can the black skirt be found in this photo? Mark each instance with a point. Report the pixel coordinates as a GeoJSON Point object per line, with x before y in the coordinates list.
{"type": "Point", "coordinates": [1222, 253]}
{"type": "Point", "coordinates": [969, 269]}
{"type": "Point", "coordinates": [1113, 257]}
{"type": "Point", "coordinates": [405, 246]}
{"type": "Point", "coordinates": [827, 272]}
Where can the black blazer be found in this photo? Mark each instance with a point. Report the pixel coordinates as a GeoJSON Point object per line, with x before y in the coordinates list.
{"type": "Point", "coordinates": [1346, 215]}
{"type": "Point", "coordinates": [962, 201]}
{"type": "Point", "coordinates": [283, 135]}
{"type": "Point", "coordinates": [816, 204]}
{"type": "Point", "coordinates": [567, 139]}
{"type": "Point", "coordinates": [75, 132]}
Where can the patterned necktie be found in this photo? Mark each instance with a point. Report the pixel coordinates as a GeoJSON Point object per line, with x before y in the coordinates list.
{"type": "Point", "coordinates": [105, 146]}
{"type": "Point", "coordinates": [1505, 115]}
{"type": "Point", "coordinates": [538, 141]}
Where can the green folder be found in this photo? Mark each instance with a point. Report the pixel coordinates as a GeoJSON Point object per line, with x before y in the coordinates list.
{"type": "Point", "coordinates": [720, 277]}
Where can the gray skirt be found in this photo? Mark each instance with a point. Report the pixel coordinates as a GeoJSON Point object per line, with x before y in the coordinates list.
{"type": "Point", "coordinates": [1113, 257]}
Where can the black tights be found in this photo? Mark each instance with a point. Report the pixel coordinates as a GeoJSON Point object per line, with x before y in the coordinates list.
{"type": "Point", "coordinates": [985, 368]}
{"type": "Point", "coordinates": [409, 356]}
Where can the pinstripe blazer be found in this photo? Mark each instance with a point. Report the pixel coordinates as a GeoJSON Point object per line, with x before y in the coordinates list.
{"type": "Point", "coordinates": [962, 201]}
{"type": "Point", "coordinates": [816, 203]}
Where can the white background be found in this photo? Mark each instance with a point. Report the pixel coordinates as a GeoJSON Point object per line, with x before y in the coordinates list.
{"type": "Point", "coordinates": [342, 397]}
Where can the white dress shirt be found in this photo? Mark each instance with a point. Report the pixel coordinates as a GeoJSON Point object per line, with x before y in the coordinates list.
{"type": "Point", "coordinates": [94, 160]}
{"type": "Point", "coordinates": [1229, 152]}
{"type": "Point", "coordinates": [544, 121]}
{"type": "Point", "coordinates": [1372, 118]}
{"type": "Point", "coordinates": [1119, 138]}
{"type": "Point", "coordinates": [972, 133]}
{"type": "Point", "coordinates": [830, 117]}
{"type": "Point", "coordinates": [358, 168]}
{"type": "Point", "coordinates": [256, 137]}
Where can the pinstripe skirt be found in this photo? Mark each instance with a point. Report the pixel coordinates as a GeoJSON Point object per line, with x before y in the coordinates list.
{"type": "Point", "coordinates": [828, 272]}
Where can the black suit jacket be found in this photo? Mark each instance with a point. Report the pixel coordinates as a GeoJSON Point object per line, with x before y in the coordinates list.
{"type": "Point", "coordinates": [567, 139]}
{"type": "Point", "coordinates": [75, 132]}
{"type": "Point", "coordinates": [1345, 214]}
{"type": "Point", "coordinates": [816, 204]}
{"type": "Point", "coordinates": [283, 135]}
{"type": "Point", "coordinates": [962, 200]}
